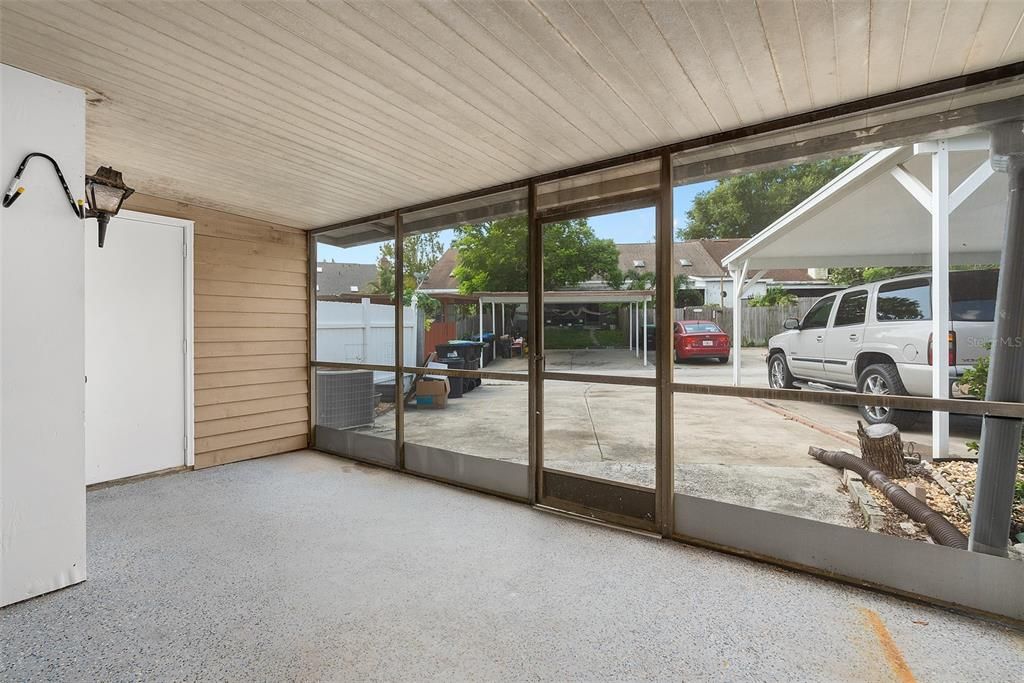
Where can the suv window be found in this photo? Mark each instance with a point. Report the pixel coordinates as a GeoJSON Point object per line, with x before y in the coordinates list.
{"type": "Point", "coordinates": [853, 308]}
{"type": "Point", "coordinates": [818, 315]}
{"type": "Point", "coordinates": [905, 300]}
{"type": "Point", "coordinates": [972, 295]}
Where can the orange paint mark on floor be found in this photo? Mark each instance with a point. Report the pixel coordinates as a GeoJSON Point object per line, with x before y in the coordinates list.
{"type": "Point", "coordinates": [900, 668]}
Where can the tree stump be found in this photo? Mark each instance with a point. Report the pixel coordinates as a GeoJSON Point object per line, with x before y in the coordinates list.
{"type": "Point", "coordinates": [882, 448]}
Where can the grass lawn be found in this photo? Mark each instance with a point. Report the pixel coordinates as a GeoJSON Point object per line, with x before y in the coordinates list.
{"type": "Point", "coordinates": [577, 338]}
{"type": "Point", "coordinates": [566, 338]}
{"type": "Point", "coordinates": [613, 338]}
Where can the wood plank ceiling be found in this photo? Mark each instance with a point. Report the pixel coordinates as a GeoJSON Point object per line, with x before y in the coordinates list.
{"type": "Point", "coordinates": [308, 113]}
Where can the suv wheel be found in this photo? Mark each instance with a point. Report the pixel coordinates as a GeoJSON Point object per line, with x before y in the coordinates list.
{"type": "Point", "coordinates": [779, 376]}
{"type": "Point", "coordinates": [884, 379]}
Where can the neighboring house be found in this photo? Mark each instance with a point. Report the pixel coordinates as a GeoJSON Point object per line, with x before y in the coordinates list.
{"type": "Point", "coordinates": [344, 279]}
{"type": "Point", "coordinates": [699, 260]}
{"type": "Point", "coordinates": [440, 279]}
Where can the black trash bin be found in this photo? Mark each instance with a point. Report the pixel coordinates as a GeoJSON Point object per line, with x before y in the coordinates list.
{"type": "Point", "coordinates": [455, 383]}
{"type": "Point", "coordinates": [469, 352]}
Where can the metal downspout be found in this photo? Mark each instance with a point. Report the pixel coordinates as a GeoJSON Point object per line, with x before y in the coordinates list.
{"type": "Point", "coordinates": [1000, 437]}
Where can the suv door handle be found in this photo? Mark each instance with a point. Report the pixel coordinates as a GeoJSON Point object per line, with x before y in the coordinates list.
{"type": "Point", "coordinates": [854, 337]}
{"type": "Point", "coordinates": [819, 338]}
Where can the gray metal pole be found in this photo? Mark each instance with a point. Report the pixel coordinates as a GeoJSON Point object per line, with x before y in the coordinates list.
{"type": "Point", "coordinates": [1000, 437]}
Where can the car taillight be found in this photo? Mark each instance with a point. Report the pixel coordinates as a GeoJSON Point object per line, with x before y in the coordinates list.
{"type": "Point", "coordinates": [951, 340]}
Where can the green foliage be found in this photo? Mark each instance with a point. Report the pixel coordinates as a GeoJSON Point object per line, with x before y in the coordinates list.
{"type": "Point", "coordinates": [773, 296]}
{"type": "Point", "coordinates": [493, 255]}
{"type": "Point", "coordinates": [975, 382]}
{"type": "Point", "coordinates": [420, 254]}
{"type": "Point", "coordinates": [639, 280]}
{"type": "Point", "coordinates": [685, 294]}
{"type": "Point", "coordinates": [743, 205]}
{"type": "Point", "coordinates": [616, 279]}
{"type": "Point", "coordinates": [848, 277]}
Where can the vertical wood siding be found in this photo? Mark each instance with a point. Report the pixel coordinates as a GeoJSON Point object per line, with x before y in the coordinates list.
{"type": "Point", "coordinates": [251, 333]}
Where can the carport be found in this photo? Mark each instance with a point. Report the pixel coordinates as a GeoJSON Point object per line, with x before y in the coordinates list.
{"type": "Point", "coordinates": [638, 301]}
{"type": "Point", "coordinates": [931, 204]}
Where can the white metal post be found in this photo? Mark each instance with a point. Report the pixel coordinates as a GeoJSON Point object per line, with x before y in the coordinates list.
{"type": "Point", "coordinates": [738, 276]}
{"type": "Point", "coordinates": [480, 311]}
{"type": "Point", "coordinates": [636, 330]}
{"type": "Point", "coordinates": [503, 319]}
{"type": "Point", "coordinates": [366, 329]}
{"type": "Point", "coordinates": [644, 333]}
{"type": "Point", "coordinates": [940, 295]}
{"type": "Point", "coordinates": [629, 316]}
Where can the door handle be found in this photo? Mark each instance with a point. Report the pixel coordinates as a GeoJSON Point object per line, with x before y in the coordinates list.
{"type": "Point", "coordinates": [854, 337]}
{"type": "Point", "coordinates": [819, 338]}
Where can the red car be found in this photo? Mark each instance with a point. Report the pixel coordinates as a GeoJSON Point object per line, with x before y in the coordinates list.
{"type": "Point", "coordinates": [700, 339]}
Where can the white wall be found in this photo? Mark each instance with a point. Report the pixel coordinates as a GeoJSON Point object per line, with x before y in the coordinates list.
{"type": "Point", "coordinates": [42, 362]}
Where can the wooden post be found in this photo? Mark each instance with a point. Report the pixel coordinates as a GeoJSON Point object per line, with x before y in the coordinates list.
{"type": "Point", "coordinates": [882, 448]}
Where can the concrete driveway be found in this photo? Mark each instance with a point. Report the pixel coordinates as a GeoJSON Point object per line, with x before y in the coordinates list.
{"type": "Point", "coordinates": [748, 452]}
{"type": "Point", "coordinates": [727, 449]}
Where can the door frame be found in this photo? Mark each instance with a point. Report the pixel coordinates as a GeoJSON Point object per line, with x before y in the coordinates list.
{"type": "Point", "coordinates": [188, 317]}
{"type": "Point", "coordinates": [609, 500]}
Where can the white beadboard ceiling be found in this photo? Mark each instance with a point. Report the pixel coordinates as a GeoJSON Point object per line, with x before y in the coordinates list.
{"type": "Point", "coordinates": [308, 113]}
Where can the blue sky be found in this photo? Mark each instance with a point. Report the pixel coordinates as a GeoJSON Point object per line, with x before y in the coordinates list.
{"type": "Point", "coordinates": [623, 227]}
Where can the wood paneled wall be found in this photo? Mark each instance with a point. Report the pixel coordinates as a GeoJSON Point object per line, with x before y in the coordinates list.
{"type": "Point", "coordinates": [251, 333]}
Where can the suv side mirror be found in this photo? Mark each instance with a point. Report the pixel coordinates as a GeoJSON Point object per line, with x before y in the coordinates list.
{"type": "Point", "coordinates": [791, 324]}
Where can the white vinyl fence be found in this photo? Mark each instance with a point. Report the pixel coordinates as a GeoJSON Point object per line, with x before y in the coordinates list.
{"type": "Point", "coordinates": [362, 333]}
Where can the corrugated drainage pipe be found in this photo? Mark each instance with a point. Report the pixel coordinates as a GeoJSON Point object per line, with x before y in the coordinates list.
{"type": "Point", "coordinates": [938, 526]}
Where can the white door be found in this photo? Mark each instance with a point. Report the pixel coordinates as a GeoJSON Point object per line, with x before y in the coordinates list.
{"type": "Point", "coordinates": [135, 390]}
{"type": "Point", "coordinates": [808, 358]}
{"type": "Point", "coordinates": [845, 337]}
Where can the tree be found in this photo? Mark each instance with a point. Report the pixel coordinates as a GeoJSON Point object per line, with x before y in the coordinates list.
{"type": "Point", "coordinates": [493, 255]}
{"type": "Point", "coordinates": [773, 296]}
{"type": "Point", "coordinates": [685, 293]}
{"type": "Point", "coordinates": [848, 277]}
{"type": "Point", "coordinates": [744, 205]}
{"type": "Point", "coordinates": [420, 254]}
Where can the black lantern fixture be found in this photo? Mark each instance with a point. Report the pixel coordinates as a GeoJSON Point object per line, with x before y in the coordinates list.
{"type": "Point", "coordinates": [105, 192]}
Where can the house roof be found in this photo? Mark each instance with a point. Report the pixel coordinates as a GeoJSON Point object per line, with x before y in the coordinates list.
{"type": "Point", "coordinates": [440, 276]}
{"type": "Point", "coordinates": [338, 279]}
{"type": "Point", "coordinates": [705, 257]}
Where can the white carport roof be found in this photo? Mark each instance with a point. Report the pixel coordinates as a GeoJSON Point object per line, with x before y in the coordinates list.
{"type": "Point", "coordinates": [867, 217]}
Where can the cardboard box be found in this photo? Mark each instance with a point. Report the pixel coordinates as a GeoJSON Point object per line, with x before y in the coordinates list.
{"type": "Point", "coordinates": [432, 393]}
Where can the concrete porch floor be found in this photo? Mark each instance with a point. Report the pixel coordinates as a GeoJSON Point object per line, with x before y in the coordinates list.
{"type": "Point", "coordinates": [306, 566]}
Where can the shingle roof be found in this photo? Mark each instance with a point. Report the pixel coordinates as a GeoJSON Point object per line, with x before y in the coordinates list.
{"type": "Point", "coordinates": [335, 279]}
{"type": "Point", "coordinates": [705, 258]}
{"type": "Point", "coordinates": [440, 276]}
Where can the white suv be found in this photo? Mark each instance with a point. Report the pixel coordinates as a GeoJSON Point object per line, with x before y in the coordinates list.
{"type": "Point", "coordinates": [876, 338]}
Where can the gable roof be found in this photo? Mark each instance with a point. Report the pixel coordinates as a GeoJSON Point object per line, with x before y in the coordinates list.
{"type": "Point", "coordinates": [338, 279]}
{"type": "Point", "coordinates": [440, 276]}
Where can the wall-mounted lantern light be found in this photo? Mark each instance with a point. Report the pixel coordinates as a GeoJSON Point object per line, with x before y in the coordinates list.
{"type": "Point", "coordinates": [105, 192]}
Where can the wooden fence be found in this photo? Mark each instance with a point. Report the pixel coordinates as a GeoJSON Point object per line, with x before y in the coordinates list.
{"type": "Point", "coordinates": [759, 323]}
